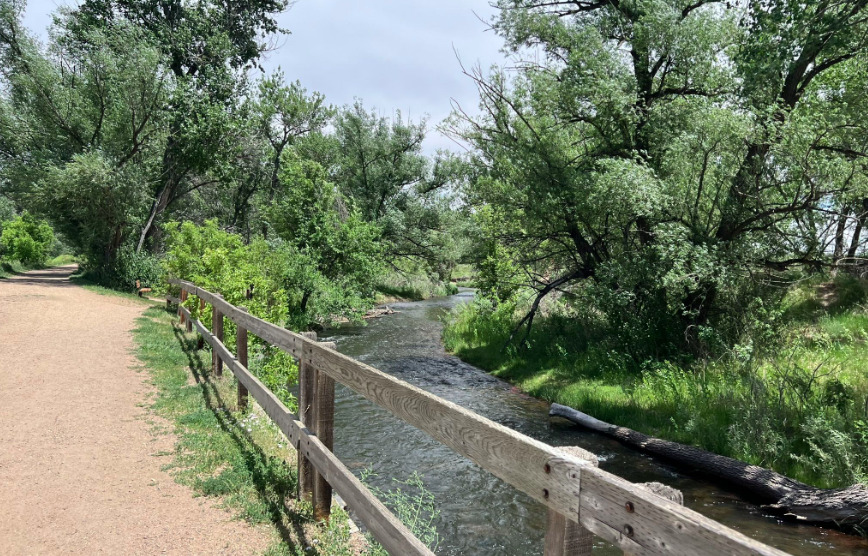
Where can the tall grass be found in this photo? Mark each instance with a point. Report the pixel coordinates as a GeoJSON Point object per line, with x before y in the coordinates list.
{"type": "Point", "coordinates": [412, 287]}
{"type": "Point", "coordinates": [798, 405]}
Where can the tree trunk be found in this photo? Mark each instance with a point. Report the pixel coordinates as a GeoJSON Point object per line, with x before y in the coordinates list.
{"type": "Point", "coordinates": [857, 232]}
{"type": "Point", "coordinates": [157, 208]}
{"type": "Point", "coordinates": [174, 175]}
{"type": "Point", "coordinates": [780, 494]}
{"type": "Point", "coordinates": [839, 236]}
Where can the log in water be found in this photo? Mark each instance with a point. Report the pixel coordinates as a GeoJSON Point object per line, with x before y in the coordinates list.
{"type": "Point", "coordinates": [479, 514]}
{"type": "Point", "coordinates": [778, 493]}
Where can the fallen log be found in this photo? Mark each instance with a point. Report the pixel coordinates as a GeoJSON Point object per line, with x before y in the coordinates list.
{"type": "Point", "coordinates": [778, 494]}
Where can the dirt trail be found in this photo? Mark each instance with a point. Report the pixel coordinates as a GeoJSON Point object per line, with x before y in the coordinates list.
{"type": "Point", "coordinates": [79, 470]}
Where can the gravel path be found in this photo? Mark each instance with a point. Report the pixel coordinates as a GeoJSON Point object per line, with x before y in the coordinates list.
{"type": "Point", "coordinates": [79, 465]}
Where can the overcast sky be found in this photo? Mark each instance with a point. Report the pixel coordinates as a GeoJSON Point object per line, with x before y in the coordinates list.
{"type": "Point", "coordinates": [392, 54]}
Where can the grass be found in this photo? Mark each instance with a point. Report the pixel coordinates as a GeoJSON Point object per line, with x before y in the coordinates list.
{"type": "Point", "coordinates": [464, 275]}
{"type": "Point", "coordinates": [240, 459]}
{"type": "Point", "coordinates": [800, 407]}
{"type": "Point", "coordinates": [397, 287]}
{"type": "Point", "coordinates": [90, 285]}
{"type": "Point", "coordinates": [12, 268]}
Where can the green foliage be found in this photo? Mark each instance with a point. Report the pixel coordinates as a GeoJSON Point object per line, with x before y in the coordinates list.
{"type": "Point", "coordinates": [382, 171]}
{"type": "Point", "coordinates": [126, 269]}
{"type": "Point", "coordinates": [403, 287]}
{"type": "Point", "coordinates": [335, 258]}
{"type": "Point", "coordinates": [96, 206]}
{"type": "Point", "coordinates": [791, 395]}
{"type": "Point", "coordinates": [413, 504]}
{"type": "Point", "coordinates": [277, 281]}
{"type": "Point", "coordinates": [665, 165]}
{"type": "Point", "coordinates": [7, 211]}
{"type": "Point", "coordinates": [26, 239]}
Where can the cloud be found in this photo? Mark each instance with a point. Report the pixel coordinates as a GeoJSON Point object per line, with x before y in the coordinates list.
{"type": "Point", "coordinates": [392, 54]}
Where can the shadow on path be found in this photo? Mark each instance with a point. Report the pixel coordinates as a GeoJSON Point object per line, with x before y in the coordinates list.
{"type": "Point", "coordinates": [57, 277]}
{"type": "Point", "coordinates": [255, 458]}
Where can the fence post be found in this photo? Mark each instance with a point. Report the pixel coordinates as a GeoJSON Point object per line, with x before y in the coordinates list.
{"type": "Point", "coordinates": [180, 303]}
{"type": "Point", "coordinates": [242, 359]}
{"type": "Point", "coordinates": [324, 426]}
{"type": "Point", "coordinates": [189, 323]}
{"type": "Point", "coordinates": [305, 413]}
{"type": "Point", "coordinates": [217, 325]}
{"type": "Point", "coordinates": [200, 343]}
{"type": "Point", "coordinates": [563, 536]}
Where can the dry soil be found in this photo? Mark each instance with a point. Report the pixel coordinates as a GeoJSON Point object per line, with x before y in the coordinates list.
{"type": "Point", "coordinates": [80, 470]}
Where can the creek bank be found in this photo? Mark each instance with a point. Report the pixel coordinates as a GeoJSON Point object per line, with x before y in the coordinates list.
{"type": "Point", "coordinates": [408, 345]}
{"type": "Point", "coordinates": [843, 507]}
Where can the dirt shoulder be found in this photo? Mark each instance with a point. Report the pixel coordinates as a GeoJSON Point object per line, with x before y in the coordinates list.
{"type": "Point", "coordinates": [80, 470]}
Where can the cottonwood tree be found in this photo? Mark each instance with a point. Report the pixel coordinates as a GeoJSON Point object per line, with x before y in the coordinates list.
{"type": "Point", "coordinates": [81, 129]}
{"type": "Point", "coordinates": [664, 155]}
{"type": "Point", "coordinates": [379, 164]}
{"type": "Point", "coordinates": [208, 47]}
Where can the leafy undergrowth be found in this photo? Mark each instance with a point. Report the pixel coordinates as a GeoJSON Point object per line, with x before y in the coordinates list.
{"type": "Point", "coordinates": [799, 405]}
{"type": "Point", "coordinates": [241, 459]}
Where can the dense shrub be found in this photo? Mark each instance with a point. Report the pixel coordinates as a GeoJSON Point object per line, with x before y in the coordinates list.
{"type": "Point", "coordinates": [27, 240]}
{"type": "Point", "coordinates": [274, 280]}
{"type": "Point", "coordinates": [126, 268]}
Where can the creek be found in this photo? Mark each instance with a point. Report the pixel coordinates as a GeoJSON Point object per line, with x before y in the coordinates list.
{"type": "Point", "coordinates": [479, 513]}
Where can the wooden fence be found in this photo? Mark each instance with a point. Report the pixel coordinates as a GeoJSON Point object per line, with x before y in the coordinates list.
{"type": "Point", "coordinates": [582, 499]}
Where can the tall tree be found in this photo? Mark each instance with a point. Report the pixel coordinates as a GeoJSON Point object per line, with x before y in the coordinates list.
{"type": "Point", "coordinates": [380, 166]}
{"type": "Point", "coordinates": [81, 128]}
{"type": "Point", "coordinates": [654, 152]}
{"type": "Point", "coordinates": [208, 46]}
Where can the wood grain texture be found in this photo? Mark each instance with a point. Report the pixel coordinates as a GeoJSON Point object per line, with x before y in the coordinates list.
{"type": "Point", "coordinates": [323, 426]}
{"type": "Point", "coordinates": [276, 335]}
{"type": "Point", "coordinates": [382, 523]}
{"type": "Point", "coordinates": [306, 385]}
{"type": "Point", "coordinates": [241, 341]}
{"type": "Point", "coordinates": [655, 525]}
{"type": "Point", "coordinates": [531, 466]}
{"type": "Point", "coordinates": [560, 481]}
{"type": "Point", "coordinates": [385, 527]}
{"type": "Point", "coordinates": [200, 342]}
{"type": "Point", "coordinates": [217, 323]}
{"type": "Point", "coordinates": [577, 541]}
{"type": "Point", "coordinates": [184, 295]}
{"type": "Point", "coordinates": [556, 528]}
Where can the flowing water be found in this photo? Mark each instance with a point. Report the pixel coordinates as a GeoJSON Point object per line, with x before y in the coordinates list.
{"type": "Point", "coordinates": [479, 513]}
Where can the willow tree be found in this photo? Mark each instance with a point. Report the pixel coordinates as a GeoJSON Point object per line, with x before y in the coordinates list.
{"type": "Point", "coordinates": [657, 154]}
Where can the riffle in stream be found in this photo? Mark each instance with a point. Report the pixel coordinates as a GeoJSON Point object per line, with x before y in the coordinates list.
{"type": "Point", "coordinates": [479, 513]}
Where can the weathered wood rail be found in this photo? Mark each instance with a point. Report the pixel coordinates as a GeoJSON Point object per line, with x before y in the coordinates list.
{"type": "Point", "coordinates": [580, 497]}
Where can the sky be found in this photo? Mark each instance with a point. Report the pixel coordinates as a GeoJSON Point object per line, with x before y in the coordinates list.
{"type": "Point", "coordinates": [391, 54]}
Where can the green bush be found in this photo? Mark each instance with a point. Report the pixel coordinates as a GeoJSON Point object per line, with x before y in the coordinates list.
{"type": "Point", "coordinates": [27, 240]}
{"type": "Point", "coordinates": [127, 267]}
{"type": "Point", "coordinates": [7, 212]}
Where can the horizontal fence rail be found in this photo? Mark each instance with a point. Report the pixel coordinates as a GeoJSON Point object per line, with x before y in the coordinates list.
{"type": "Point", "coordinates": [625, 514]}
